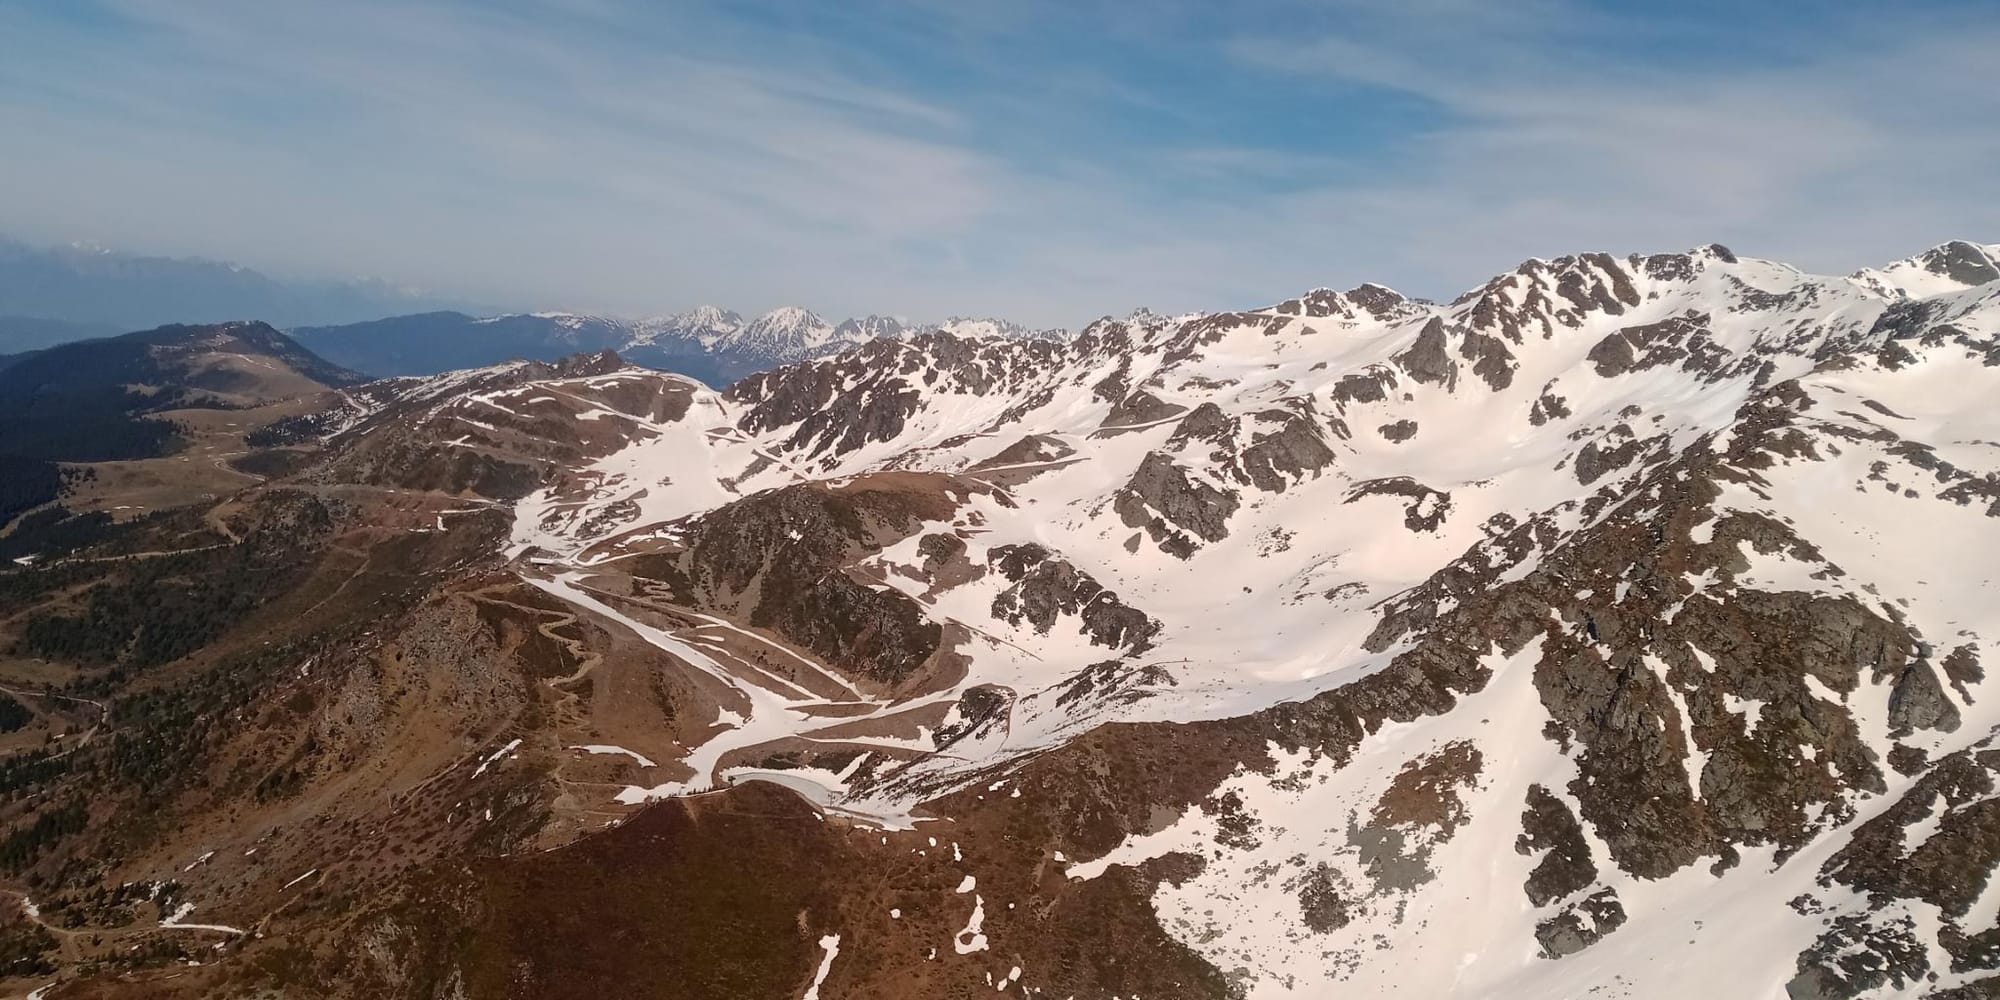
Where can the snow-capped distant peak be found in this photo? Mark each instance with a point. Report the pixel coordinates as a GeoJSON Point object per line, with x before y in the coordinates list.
{"type": "Point", "coordinates": [971, 327]}
{"type": "Point", "coordinates": [871, 327]}
{"type": "Point", "coordinates": [787, 333]}
{"type": "Point", "coordinates": [788, 318]}
{"type": "Point", "coordinates": [566, 320]}
{"type": "Point", "coordinates": [708, 318]}
{"type": "Point", "coordinates": [703, 325]}
{"type": "Point", "coordinates": [1947, 267]}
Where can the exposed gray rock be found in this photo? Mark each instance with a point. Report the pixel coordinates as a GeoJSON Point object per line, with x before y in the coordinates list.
{"type": "Point", "coordinates": [1491, 360]}
{"type": "Point", "coordinates": [1207, 423]}
{"type": "Point", "coordinates": [1294, 450]}
{"type": "Point", "coordinates": [1426, 510]}
{"type": "Point", "coordinates": [1398, 432]}
{"type": "Point", "coordinates": [1141, 407]}
{"type": "Point", "coordinates": [1961, 665]}
{"type": "Point", "coordinates": [1548, 406]}
{"type": "Point", "coordinates": [1613, 355]}
{"type": "Point", "coordinates": [1174, 507]}
{"type": "Point", "coordinates": [1961, 262]}
{"type": "Point", "coordinates": [1376, 300]}
{"type": "Point", "coordinates": [1918, 701]}
{"type": "Point", "coordinates": [1581, 924]}
{"type": "Point", "coordinates": [1427, 360]}
{"type": "Point", "coordinates": [1858, 956]}
{"type": "Point", "coordinates": [1326, 901]}
{"type": "Point", "coordinates": [1548, 826]}
{"type": "Point", "coordinates": [1617, 449]}
{"type": "Point", "coordinates": [1370, 386]}
{"type": "Point", "coordinates": [981, 710]}
{"type": "Point", "coordinates": [1047, 587]}
{"type": "Point", "coordinates": [1112, 681]}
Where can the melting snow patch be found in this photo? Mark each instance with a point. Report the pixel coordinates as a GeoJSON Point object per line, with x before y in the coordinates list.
{"type": "Point", "coordinates": [603, 748]}
{"type": "Point", "coordinates": [967, 885]}
{"type": "Point", "coordinates": [491, 758]}
{"type": "Point", "coordinates": [971, 939]}
{"type": "Point", "coordinates": [1750, 710]}
{"type": "Point", "coordinates": [831, 943]}
{"type": "Point", "coordinates": [1821, 691]}
{"type": "Point", "coordinates": [178, 921]}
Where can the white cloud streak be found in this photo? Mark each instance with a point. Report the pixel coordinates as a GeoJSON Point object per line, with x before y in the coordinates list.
{"type": "Point", "coordinates": [571, 157]}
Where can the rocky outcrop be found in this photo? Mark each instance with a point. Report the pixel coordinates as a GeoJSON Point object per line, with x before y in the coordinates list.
{"type": "Point", "coordinates": [1398, 432]}
{"type": "Point", "coordinates": [1613, 356]}
{"type": "Point", "coordinates": [1286, 446]}
{"type": "Point", "coordinates": [1962, 262]}
{"type": "Point", "coordinates": [1549, 829]}
{"type": "Point", "coordinates": [1046, 587]}
{"type": "Point", "coordinates": [1918, 701]}
{"type": "Point", "coordinates": [1427, 360]}
{"type": "Point", "coordinates": [1581, 924]}
{"type": "Point", "coordinates": [1491, 360]}
{"type": "Point", "coordinates": [1177, 509]}
{"type": "Point", "coordinates": [1371, 386]}
{"type": "Point", "coordinates": [1426, 508]}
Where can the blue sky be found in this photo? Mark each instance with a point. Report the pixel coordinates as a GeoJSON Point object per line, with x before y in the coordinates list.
{"type": "Point", "coordinates": [1049, 162]}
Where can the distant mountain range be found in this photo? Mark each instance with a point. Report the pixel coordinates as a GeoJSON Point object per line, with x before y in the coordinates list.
{"type": "Point", "coordinates": [28, 333]}
{"type": "Point", "coordinates": [52, 294]}
{"type": "Point", "coordinates": [56, 295]}
{"type": "Point", "coordinates": [709, 343]}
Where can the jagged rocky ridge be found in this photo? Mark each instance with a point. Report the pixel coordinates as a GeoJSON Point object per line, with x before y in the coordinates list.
{"type": "Point", "coordinates": [1620, 627]}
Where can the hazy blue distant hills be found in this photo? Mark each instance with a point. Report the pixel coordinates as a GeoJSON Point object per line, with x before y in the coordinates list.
{"type": "Point", "coordinates": [432, 342]}
{"type": "Point", "coordinates": [714, 345]}
{"type": "Point", "coordinates": [26, 333]}
{"type": "Point", "coordinates": [105, 291]}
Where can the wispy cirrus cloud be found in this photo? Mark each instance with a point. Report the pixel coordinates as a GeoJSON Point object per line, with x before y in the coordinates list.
{"type": "Point", "coordinates": [1047, 161]}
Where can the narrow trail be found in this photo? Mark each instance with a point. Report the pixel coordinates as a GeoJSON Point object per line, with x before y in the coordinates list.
{"type": "Point", "coordinates": [68, 949]}
{"type": "Point", "coordinates": [103, 715]}
{"type": "Point", "coordinates": [221, 462]}
{"type": "Point", "coordinates": [585, 659]}
{"type": "Point", "coordinates": [846, 686]}
{"type": "Point", "coordinates": [748, 672]}
{"type": "Point", "coordinates": [149, 554]}
{"type": "Point", "coordinates": [359, 568]}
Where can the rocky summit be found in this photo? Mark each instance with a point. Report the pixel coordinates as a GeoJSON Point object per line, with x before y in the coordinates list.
{"type": "Point", "coordinates": [1620, 628]}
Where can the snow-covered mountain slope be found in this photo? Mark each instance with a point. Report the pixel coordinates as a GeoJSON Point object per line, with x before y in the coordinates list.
{"type": "Point", "coordinates": [1615, 629]}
